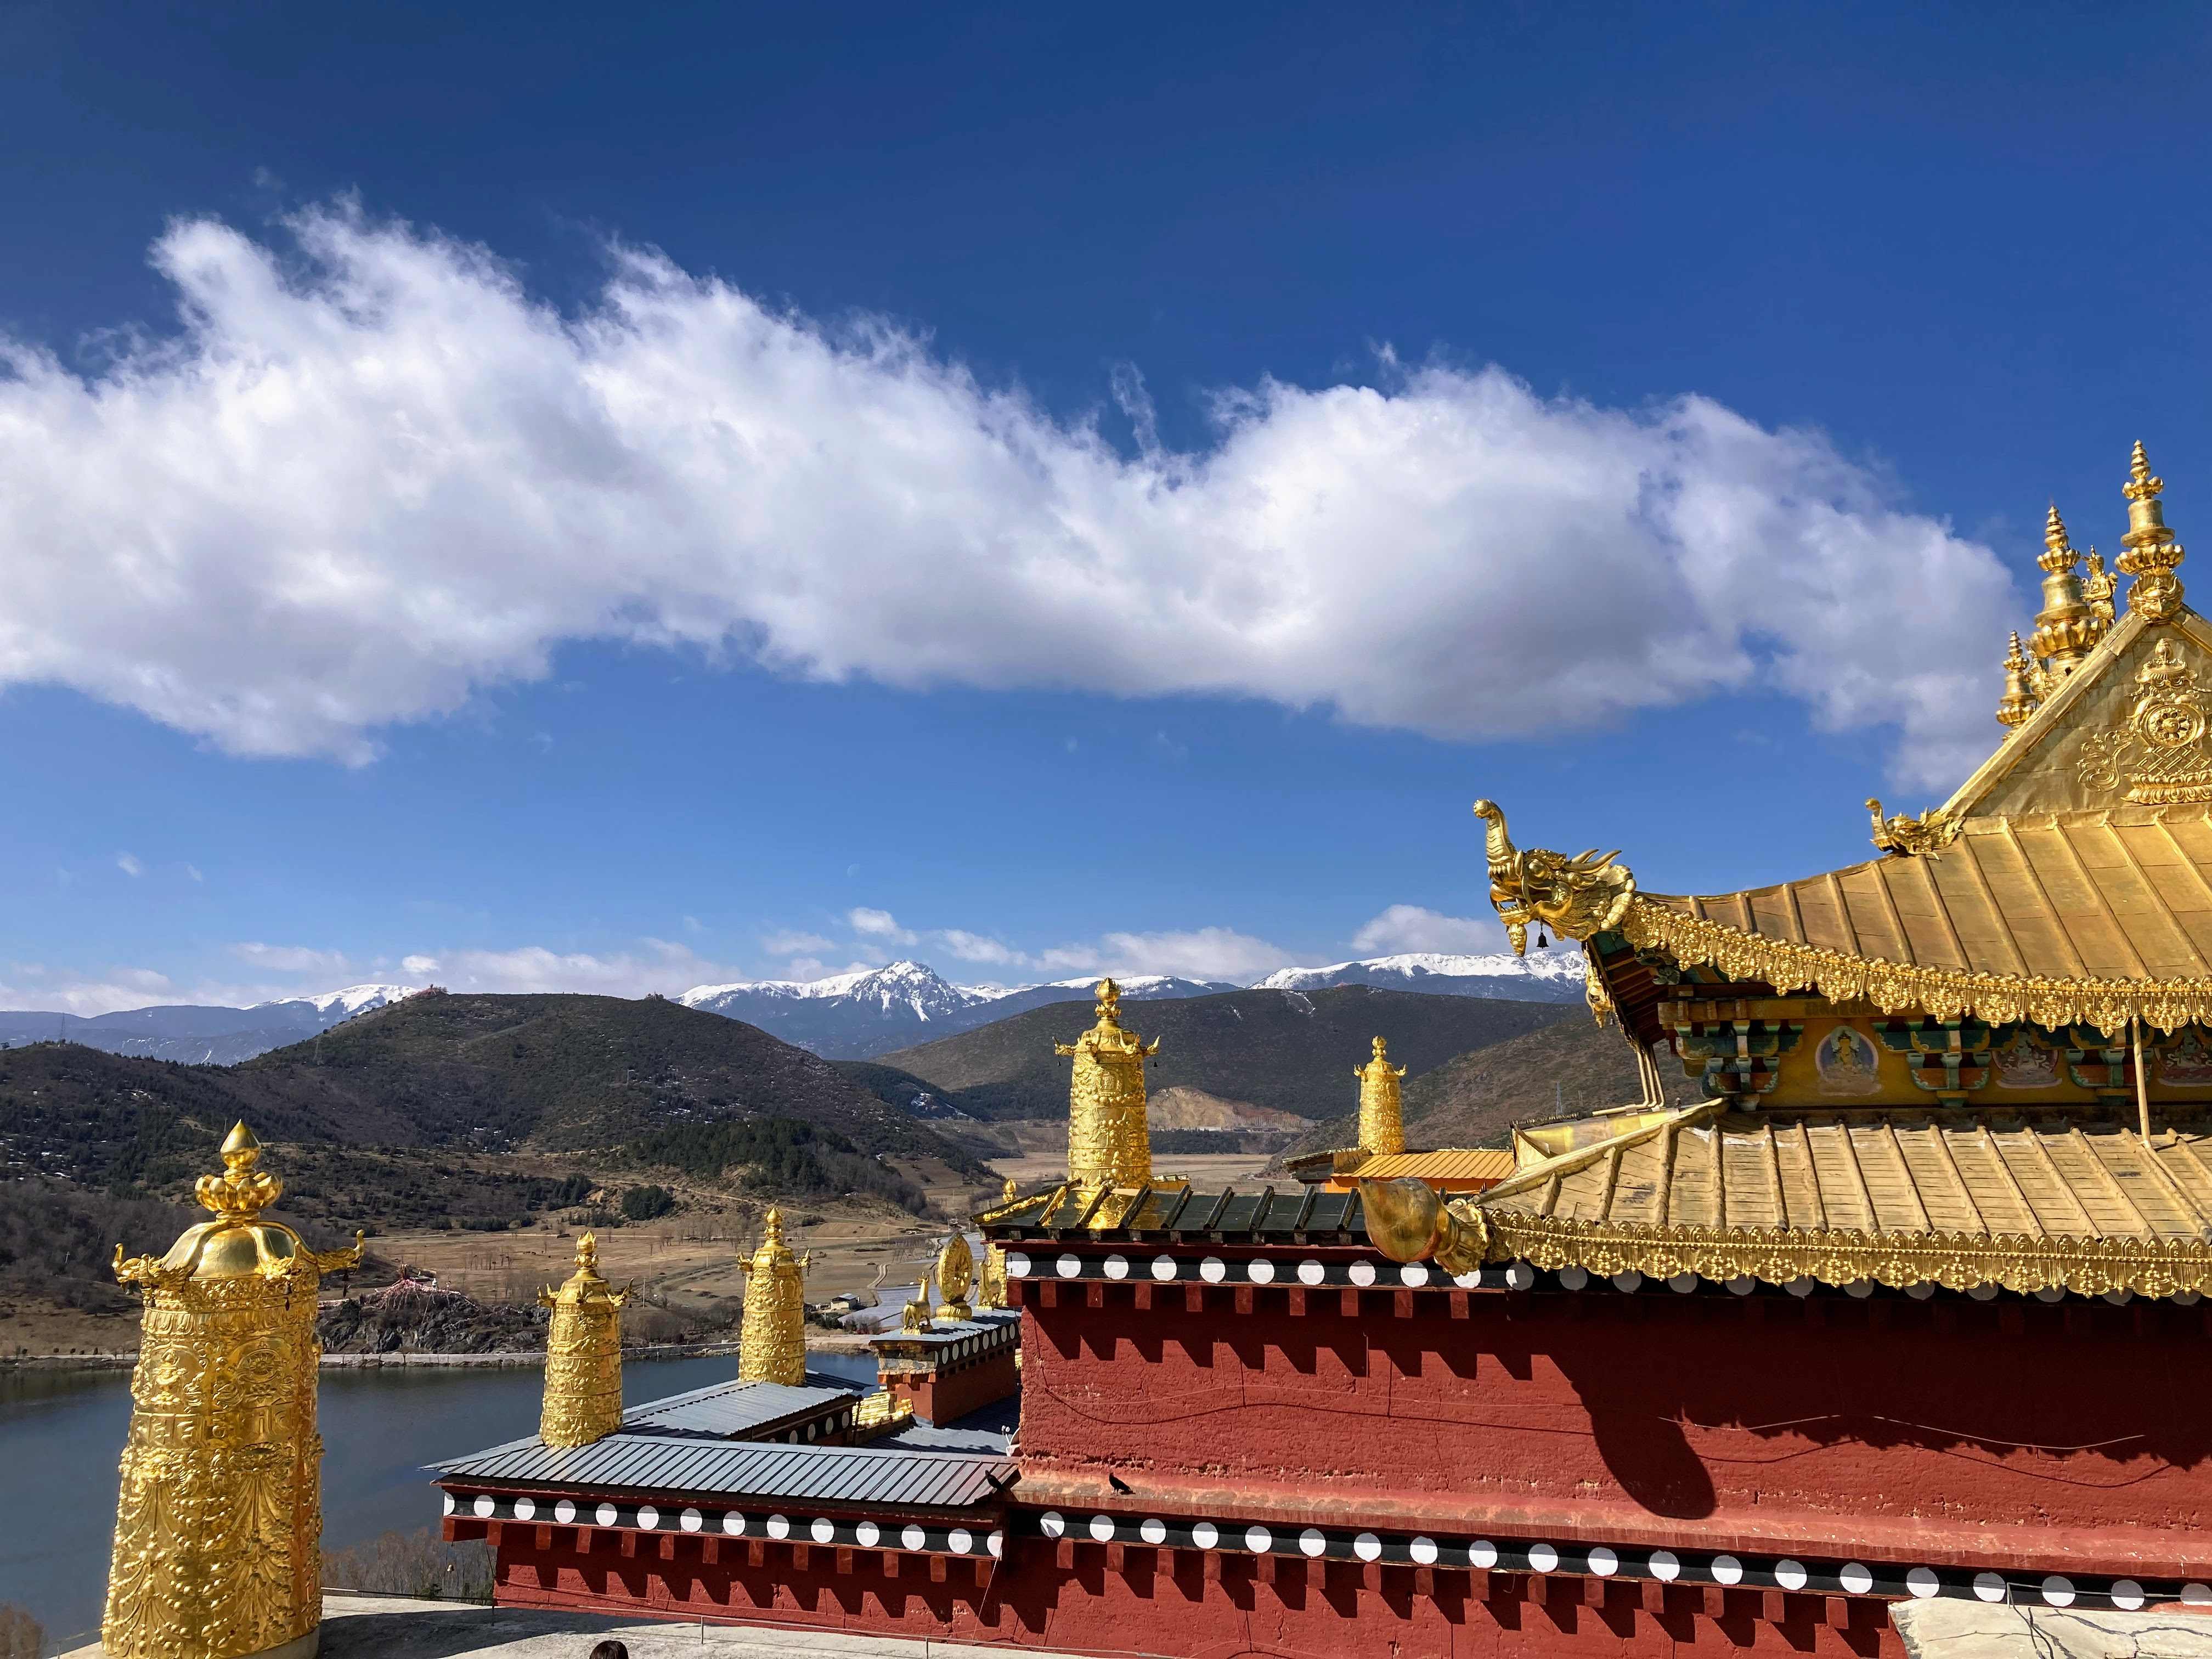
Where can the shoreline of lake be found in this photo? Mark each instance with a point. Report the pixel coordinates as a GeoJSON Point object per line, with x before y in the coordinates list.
{"type": "Point", "coordinates": [62, 1434]}
{"type": "Point", "coordinates": [533, 1359]}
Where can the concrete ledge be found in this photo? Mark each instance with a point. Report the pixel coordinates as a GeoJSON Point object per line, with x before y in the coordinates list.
{"type": "Point", "coordinates": [1947, 1629]}
{"type": "Point", "coordinates": [388, 1627]}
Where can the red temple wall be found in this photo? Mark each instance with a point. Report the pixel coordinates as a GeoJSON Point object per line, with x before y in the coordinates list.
{"type": "Point", "coordinates": [947, 1392]}
{"type": "Point", "coordinates": [1106, 1600]}
{"type": "Point", "coordinates": [1931, 1428]}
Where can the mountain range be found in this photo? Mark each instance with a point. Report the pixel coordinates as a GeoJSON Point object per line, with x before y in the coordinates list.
{"type": "Point", "coordinates": [202, 1034]}
{"type": "Point", "coordinates": [853, 1016]}
{"type": "Point", "coordinates": [1293, 1051]}
{"type": "Point", "coordinates": [860, 1015]}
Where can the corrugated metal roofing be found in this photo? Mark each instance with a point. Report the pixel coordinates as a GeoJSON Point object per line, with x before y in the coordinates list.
{"type": "Point", "coordinates": [700, 1468]}
{"type": "Point", "coordinates": [1265, 1214]}
{"type": "Point", "coordinates": [732, 1410]}
{"type": "Point", "coordinates": [988, 1323]}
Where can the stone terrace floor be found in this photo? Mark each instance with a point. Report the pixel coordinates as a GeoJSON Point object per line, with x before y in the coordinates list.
{"type": "Point", "coordinates": [387, 1627]}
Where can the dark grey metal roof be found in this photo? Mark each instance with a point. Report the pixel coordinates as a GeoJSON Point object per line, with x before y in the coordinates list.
{"type": "Point", "coordinates": [736, 1410]}
{"type": "Point", "coordinates": [624, 1461]}
{"type": "Point", "coordinates": [993, 1325]}
{"type": "Point", "coordinates": [1298, 1214]}
{"type": "Point", "coordinates": [986, 1429]}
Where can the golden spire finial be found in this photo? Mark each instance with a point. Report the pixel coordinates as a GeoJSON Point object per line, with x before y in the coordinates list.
{"type": "Point", "coordinates": [1109, 1139]}
{"type": "Point", "coordinates": [218, 1515]}
{"type": "Point", "coordinates": [2057, 552]}
{"type": "Point", "coordinates": [772, 1342]}
{"type": "Point", "coordinates": [956, 1276]}
{"type": "Point", "coordinates": [2151, 553]}
{"type": "Point", "coordinates": [1381, 1120]}
{"type": "Point", "coordinates": [2019, 699]}
{"type": "Point", "coordinates": [583, 1355]}
{"type": "Point", "coordinates": [2067, 627]}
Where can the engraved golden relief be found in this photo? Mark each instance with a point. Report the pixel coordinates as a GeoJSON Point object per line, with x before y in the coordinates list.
{"type": "Point", "coordinates": [583, 1355]}
{"type": "Point", "coordinates": [2154, 748]}
{"type": "Point", "coordinates": [772, 1342]}
{"type": "Point", "coordinates": [218, 1522]}
{"type": "Point", "coordinates": [1108, 1139]}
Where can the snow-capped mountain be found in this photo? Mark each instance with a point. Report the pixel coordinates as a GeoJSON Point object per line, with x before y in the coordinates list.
{"type": "Point", "coordinates": [199, 1033]}
{"type": "Point", "coordinates": [1553, 975]}
{"type": "Point", "coordinates": [847, 1016]}
{"type": "Point", "coordinates": [853, 1016]}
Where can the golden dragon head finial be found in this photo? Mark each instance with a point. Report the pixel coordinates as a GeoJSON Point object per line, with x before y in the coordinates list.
{"type": "Point", "coordinates": [1577, 896]}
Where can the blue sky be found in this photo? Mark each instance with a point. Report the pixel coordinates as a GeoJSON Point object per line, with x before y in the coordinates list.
{"type": "Point", "coordinates": [604, 506]}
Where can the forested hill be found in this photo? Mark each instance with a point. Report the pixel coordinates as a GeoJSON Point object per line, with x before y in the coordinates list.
{"type": "Point", "coordinates": [481, 1073]}
{"type": "Point", "coordinates": [559, 1072]}
{"type": "Point", "coordinates": [1292, 1049]}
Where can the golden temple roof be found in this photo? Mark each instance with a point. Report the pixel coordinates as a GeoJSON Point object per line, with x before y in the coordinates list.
{"type": "Point", "coordinates": [1941, 1173]}
{"type": "Point", "coordinates": [1953, 1199]}
{"type": "Point", "coordinates": [1957, 1198]}
{"type": "Point", "coordinates": [2091, 896]}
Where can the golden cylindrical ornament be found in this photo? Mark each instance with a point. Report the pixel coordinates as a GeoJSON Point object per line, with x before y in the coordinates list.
{"type": "Point", "coordinates": [772, 1345]}
{"type": "Point", "coordinates": [583, 1355]}
{"type": "Point", "coordinates": [1382, 1112]}
{"type": "Point", "coordinates": [218, 1523]}
{"type": "Point", "coordinates": [1108, 1138]}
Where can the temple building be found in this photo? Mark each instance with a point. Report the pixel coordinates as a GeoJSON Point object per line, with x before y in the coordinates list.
{"type": "Point", "coordinates": [1908, 1306]}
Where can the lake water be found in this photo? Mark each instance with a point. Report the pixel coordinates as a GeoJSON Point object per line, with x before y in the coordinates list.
{"type": "Point", "coordinates": [61, 1437]}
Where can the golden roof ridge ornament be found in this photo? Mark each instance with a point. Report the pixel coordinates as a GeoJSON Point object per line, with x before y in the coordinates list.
{"type": "Point", "coordinates": [2019, 700]}
{"type": "Point", "coordinates": [1381, 1110]}
{"type": "Point", "coordinates": [991, 1292]}
{"type": "Point", "coordinates": [1909, 836]}
{"type": "Point", "coordinates": [772, 1342]}
{"type": "Point", "coordinates": [583, 1354]}
{"type": "Point", "coordinates": [1108, 1135]}
{"type": "Point", "coordinates": [2152, 554]}
{"type": "Point", "coordinates": [2067, 627]}
{"type": "Point", "coordinates": [1576, 896]}
{"type": "Point", "coordinates": [956, 1277]}
{"type": "Point", "coordinates": [218, 1516]}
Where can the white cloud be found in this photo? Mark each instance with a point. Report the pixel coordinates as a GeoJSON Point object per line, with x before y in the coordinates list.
{"type": "Point", "coordinates": [58, 993]}
{"type": "Point", "coordinates": [795, 944]}
{"type": "Point", "coordinates": [977, 947]}
{"type": "Point", "coordinates": [129, 865]}
{"type": "Point", "coordinates": [370, 475]}
{"type": "Point", "coordinates": [1408, 927]}
{"type": "Point", "coordinates": [1200, 953]}
{"type": "Point", "coordinates": [878, 924]}
{"type": "Point", "coordinates": [657, 965]}
{"type": "Point", "coordinates": [416, 966]}
{"type": "Point", "coordinates": [292, 958]}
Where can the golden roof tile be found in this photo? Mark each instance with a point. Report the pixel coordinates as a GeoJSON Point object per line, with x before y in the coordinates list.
{"type": "Point", "coordinates": [1954, 1198]}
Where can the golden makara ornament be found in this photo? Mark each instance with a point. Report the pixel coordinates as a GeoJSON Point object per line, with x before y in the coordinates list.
{"type": "Point", "coordinates": [219, 1522]}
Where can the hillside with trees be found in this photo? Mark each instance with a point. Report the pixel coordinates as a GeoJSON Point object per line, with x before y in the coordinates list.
{"type": "Point", "coordinates": [1291, 1050]}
